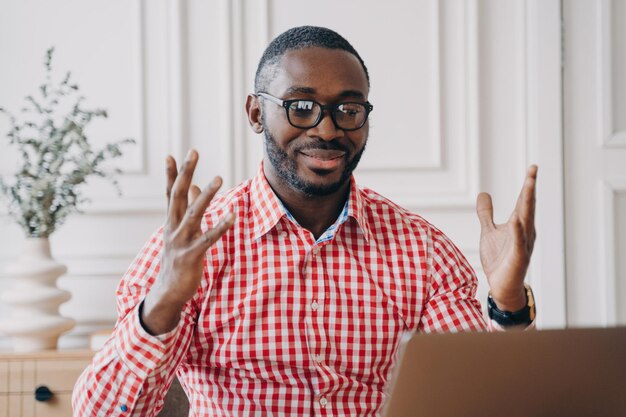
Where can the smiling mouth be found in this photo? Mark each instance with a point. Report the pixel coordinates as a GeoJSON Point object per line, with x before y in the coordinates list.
{"type": "Point", "coordinates": [323, 154]}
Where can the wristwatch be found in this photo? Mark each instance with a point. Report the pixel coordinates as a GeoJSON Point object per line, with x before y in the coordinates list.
{"type": "Point", "coordinates": [512, 318]}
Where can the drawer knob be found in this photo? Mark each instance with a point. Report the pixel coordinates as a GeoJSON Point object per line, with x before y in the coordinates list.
{"type": "Point", "coordinates": [43, 393]}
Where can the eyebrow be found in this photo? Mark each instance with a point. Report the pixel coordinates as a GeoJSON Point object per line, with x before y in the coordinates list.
{"type": "Point", "coordinates": [309, 90]}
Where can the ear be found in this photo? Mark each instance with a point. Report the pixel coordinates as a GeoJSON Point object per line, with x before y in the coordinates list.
{"type": "Point", "coordinates": [254, 111]}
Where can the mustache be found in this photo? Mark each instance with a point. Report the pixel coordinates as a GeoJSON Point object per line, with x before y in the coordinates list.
{"type": "Point", "coordinates": [327, 146]}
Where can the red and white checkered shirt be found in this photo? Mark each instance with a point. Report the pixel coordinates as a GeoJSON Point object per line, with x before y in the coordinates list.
{"type": "Point", "coordinates": [282, 324]}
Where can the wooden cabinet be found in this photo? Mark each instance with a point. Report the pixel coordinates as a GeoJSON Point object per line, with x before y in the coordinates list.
{"type": "Point", "coordinates": [22, 373]}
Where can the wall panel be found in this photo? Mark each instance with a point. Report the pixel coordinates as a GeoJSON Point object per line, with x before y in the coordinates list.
{"type": "Point", "coordinates": [422, 70]}
{"type": "Point", "coordinates": [452, 84]}
{"type": "Point", "coordinates": [594, 156]}
{"type": "Point", "coordinates": [115, 52]}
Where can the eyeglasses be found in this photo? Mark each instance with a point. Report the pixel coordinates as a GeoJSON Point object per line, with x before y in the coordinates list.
{"type": "Point", "coordinates": [306, 114]}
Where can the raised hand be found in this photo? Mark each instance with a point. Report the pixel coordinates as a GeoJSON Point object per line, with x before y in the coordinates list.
{"type": "Point", "coordinates": [184, 246]}
{"type": "Point", "coordinates": [505, 249]}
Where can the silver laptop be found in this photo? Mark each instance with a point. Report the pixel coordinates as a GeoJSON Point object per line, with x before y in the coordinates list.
{"type": "Point", "coordinates": [574, 372]}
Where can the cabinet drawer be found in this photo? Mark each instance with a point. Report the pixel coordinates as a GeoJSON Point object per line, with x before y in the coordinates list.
{"type": "Point", "coordinates": [59, 376]}
{"type": "Point", "coordinates": [4, 378]}
{"type": "Point", "coordinates": [4, 405]}
{"type": "Point", "coordinates": [59, 406]}
{"type": "Point", "coordinates": [21, 374]}
{"type": "Point", "coordinates": [25, 406]}
{"type": "Point", "coordinates": [14, 405]}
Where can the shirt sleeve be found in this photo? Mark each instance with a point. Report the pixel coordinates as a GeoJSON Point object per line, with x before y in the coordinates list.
{"type": "Point", "coordinates": [131, 374]}
{"type": "Point", "coordinates": [451, 303]}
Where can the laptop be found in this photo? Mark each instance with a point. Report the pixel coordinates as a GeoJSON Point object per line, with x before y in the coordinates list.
{"type": "Point", "coordinates": [551, 373]}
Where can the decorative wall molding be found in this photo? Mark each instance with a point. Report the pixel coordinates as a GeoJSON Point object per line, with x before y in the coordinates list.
{"type": "Point", "coordinates": [611, 190]}
{"type": "Point", "coordinates": [236, 82]}
{"type": "Point", "coordinates": [143, 188]}
{"type": "Point", "coordinates": [252, 40]}
{"type": "Point", "coordinates": [459, 184]}
{"type": "Point", "coordinates": [177, 100]}
{"type": "Point", "coordinates": [611, 137]}
{"type": "Point", "coordinates": [446, 183]}
{"type": "Point", "coordinates": [541, 134]}
{"type": "Point", "coordinates": [472, 106]}
{"type": "Point", "coordinates": [139, 46]}
{"type": "Point", "coordinates": [435, 162]}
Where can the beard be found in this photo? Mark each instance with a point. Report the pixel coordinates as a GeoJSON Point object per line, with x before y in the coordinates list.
{"type": "Point", "coordinates": [287, 169]}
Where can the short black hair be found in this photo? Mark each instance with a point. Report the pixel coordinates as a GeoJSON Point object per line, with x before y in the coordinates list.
{"type": "Point", "coordinates": [299, 38]}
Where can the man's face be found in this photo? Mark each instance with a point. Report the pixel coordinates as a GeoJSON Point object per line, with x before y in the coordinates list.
{"type": "Point", "coordinates": [318, 160]}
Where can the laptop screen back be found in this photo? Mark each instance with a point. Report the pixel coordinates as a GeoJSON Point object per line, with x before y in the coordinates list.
{"type": "Point", "coordinates": [574, 372]}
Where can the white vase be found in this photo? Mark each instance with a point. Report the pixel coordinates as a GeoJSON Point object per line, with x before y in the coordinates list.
{"type": "Point", "coordinates": [33, 322]}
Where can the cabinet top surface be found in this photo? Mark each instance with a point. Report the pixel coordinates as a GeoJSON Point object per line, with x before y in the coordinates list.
{"type": "Point", "coordinates": [46, 354]}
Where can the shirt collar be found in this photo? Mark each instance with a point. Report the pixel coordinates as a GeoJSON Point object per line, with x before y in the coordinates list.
{"type": "Point", "coordinates": [267, 209]}
{"type": "Point", "coordinates": [356, 208]}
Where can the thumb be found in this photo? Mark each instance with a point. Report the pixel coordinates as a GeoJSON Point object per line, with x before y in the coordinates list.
{"type": "Point", "coordinates": [484, 210]}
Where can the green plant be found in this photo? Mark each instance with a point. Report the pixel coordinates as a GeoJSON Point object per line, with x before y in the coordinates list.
{"type": "Point", "coordinates": [57, 157]}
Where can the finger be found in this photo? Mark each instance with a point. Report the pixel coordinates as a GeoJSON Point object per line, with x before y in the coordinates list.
{"type": "Point", "coordinates": [517, 230]}
{"type": "Point", "coordinates": [533, 172]}
{"type": "Point", "coordinates": [484, 210]}
{"type": "Point", "coordinates": [171, 172]}
{"type": "Point", "coordinates": [196, 210]}
{"type": "Point", "coordinates": [179, 199]}
{"type": "Point", "coordinates": [205, 241]}
{"type": "Point", "coordinates": [194, 192]}
{"type": "Point", "coordinates": [525, 206]}
{"type": "Point", "coordinates": [527, 193]}
{"type": "Point", "coordinates": [530, 241]}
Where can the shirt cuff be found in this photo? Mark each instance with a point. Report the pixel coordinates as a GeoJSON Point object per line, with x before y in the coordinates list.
{"type": "Point", "coordinates": [140, 351]}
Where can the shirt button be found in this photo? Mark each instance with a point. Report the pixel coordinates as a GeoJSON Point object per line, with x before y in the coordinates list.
{"type": "Point", "coordinates": [315, 251]}
{"type": "Point", "coordinates": [323, 401]}
{"type": "Point", "coordinates": [319, 358]}
{"type": "Point", "coordinates": [283, 233]}
{"type": "Point", "coordinates": [123, 408]}
{"type": "Point", "coordinates": [314, 306]}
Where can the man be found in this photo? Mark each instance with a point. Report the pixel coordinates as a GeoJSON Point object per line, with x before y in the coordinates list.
{"type": "Point", "coordinates": [296, 305]}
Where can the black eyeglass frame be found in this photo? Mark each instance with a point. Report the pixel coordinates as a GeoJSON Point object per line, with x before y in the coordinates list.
{"type": "Point", "coordinates": [332, 107]}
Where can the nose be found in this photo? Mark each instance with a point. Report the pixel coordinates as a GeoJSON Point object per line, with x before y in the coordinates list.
{"type": "Point", "coordinates": [326, 129]}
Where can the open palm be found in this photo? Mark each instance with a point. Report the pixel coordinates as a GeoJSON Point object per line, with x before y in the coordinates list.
{"type": "Point", "coordinates": [505, 249]}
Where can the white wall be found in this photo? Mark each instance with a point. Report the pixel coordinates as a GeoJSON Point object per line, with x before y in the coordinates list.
{"type": "Point", "coordinates": [483, 76]}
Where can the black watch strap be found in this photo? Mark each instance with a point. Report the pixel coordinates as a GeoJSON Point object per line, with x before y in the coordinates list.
{"type": "Point", "coordinates": [513, 318]}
